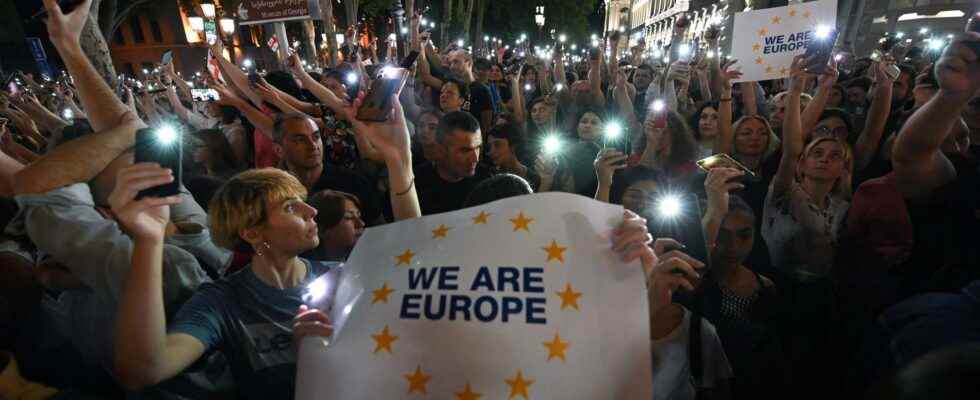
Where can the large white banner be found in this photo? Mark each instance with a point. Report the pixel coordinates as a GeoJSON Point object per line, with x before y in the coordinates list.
{"type": "Point", "coordinates": [765, 41]}
{"type": "Point", "coordinates": [522, 298]}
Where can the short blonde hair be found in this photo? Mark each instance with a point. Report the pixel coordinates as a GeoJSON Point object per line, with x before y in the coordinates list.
{"type": "Point", "coordinates": [842, 187]}
{"type": "Point", "coordinates": [241, 204]}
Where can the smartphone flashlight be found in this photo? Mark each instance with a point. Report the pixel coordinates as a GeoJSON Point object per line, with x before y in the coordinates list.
{"type": "Point", "coordinates": [528, 87]}
{"type": "Point", "coordinates": [552, 145]}
{"type": "Point", "coordinates": [562, 38]}
{"type": "Point", "coordinates": [559, 87]}
{"type": "Point", "coordinates": [613, 130]}
{"type": "Point", "coordinates": [684, 50]}
{"type": "Point", "coordinates": [838, 57]}
{"type": "Point", "coordinates": [351, 78]}
{"type": "Point", "coordinates": [659, 106]}
{"type": "Point", "coordinates": [166, 135]}
{"type": "Point", "coordinates": [669, 206]}
{"type": "Point", "coordinates": [68, 114]}
{"type": "Point", "coordinates": [823, 32]}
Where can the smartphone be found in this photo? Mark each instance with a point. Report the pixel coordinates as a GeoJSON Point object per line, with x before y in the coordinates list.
{"type": "Point", "coordinates": [409, 60]}
{"type": "Point", "coordinates": [67, 6]}
{"type": "Point", "coordinates": [167, 58]}
{"type": "Point", "coordinates": [377, 104]}
{"type": "Point", "coordinates": [722, 161]}
{"type": "Point", "coordinates": [818, 53]}
{"type": "Point", "coordinates": [678, 216]}
{"type": "Point", "coordinates": [162, 146]}
{"type": "Point", "coordinates": [204, 95]}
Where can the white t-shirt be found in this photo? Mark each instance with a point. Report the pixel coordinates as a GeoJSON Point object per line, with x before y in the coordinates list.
{"type": "Point", "coordinates": [802, 238]}
{"type": "Point", "coordinates": [672, 368]}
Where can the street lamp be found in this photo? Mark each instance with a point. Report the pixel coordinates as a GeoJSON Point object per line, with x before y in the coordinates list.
{"type": "Point", "coordinates": [539, 19]}
{"type": "Point", "coordinates": [227, 26]}
{"type": "Point", "coordinates": [207, 9]}
{"type": "Point", "coordinates": [197, 24]}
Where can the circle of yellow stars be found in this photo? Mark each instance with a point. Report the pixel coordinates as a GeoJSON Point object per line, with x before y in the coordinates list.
{"type": "Point", "coordinates": [757, 46]}
{"type": "Point", "coordinates": [519, 385]}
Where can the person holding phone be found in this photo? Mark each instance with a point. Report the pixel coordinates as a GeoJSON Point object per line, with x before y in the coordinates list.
{"type": "Point", "coordinates": [744, 305]}
{"type": "Point", "coordinates": [804, 210]}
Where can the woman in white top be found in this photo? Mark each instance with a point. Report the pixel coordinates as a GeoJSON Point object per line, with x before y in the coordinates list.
{"type": "Point", "coordinates": [804, 208]}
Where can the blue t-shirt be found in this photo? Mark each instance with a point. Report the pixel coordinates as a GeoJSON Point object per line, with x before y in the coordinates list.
{"type": "Point", "coordinates": [251, 323]}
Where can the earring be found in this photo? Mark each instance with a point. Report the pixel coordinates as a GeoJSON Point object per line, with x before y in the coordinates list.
{"type": "Point", "coordinates": [258, 251]}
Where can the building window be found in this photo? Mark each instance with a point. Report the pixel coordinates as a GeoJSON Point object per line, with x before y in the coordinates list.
{"type": "Point", "coordinates": [137, 28]}
{"type": "Point", "coordinates": [118, 37]}
{"type": "Point", "coordinates": [155, 29]}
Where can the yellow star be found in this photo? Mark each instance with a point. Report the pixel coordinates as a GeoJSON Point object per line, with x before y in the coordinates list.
{"type": "Point", "coordinates": [468, 394]}
{"type": "Point", "coordinates": [569, 297]}
{"type": "Point", "coordinates": [763, 32]}
{"type": "Point", "coordinates": [775, 20]}
{"type": "Point", "coordinates": [384, 340]}
{"type": "Point", "coordinates": [518, 386]}
{"type": "Point", "coordinates": [417, 381]}
{"type": "Point", "coordinates": [405, 258]}
{"type": "Point", "coordinates": [759, 61]}
{"type": "Point", "coordinates": [792, 13]}
{"type": "Point", "coordinates": [381, 294]}
{"type": "Point", "coordinates": [556, 348]}
{"type": "Point", "coordinates": [440, 232]}
{"type": "Point", "coordinates": [481, 218]}
{"type": "Point", "coordinates": [555, 252]}
{"type": "Point", "coordinates": [521, 222]}
{"type": "Point", "coordinates": [756, 47]}
{"type": "Point", "coordinates": [769, 69]}
{"type": "Point", "coordinates": [807, 14]}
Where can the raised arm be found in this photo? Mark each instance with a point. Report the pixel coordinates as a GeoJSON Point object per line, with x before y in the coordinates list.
{"type": "Point", "coordinates": [263, 123]}
{"type": "Point", "coordinates": [792, 131]}
{"type": "Point", "coordinates": [919, 163]}
{"type": "Point", "coordinates": [750, 104]}
{"type": "Point", "coordinates": [104, 109]}
{"type": "Point", "coordinates": [867, 144]}
{"type": "Point", "coordinates": [726, 131]}
{"type": "Point", "coordinates": [194, 119]}
{"type": "Point", "coordinates": [595, 80]}
{"type": "Point", "coordinates": [233, 75]}
{"type": "Point", "coordinates": [391, 139]}
{"type": "Point", "coordinates": [825, 85]}
{"type": "Point", "coordinates": [426, 73]}
{"type": "Point", "coordinates": [144, 354]}
{"type": "Point", "coordinates": [517, 98]}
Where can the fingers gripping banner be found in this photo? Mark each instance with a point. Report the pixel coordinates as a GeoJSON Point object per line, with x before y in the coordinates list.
{"type": "Point", "coordinates": [522, 298]}
{"type": "Point", "coordinates": [765, 41]}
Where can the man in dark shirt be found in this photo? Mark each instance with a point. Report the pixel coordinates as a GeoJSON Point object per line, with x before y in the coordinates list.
{"type": "Point", "coordinates": [443, 185]}
{"type": "Point", "coordinates": [479, 103]}
{"type": "Point", "coordinates": [300, 146]}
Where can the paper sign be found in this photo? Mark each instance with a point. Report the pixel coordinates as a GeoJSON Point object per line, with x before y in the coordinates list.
{"type": "Point", "coordinates": [765, 41]}
{"type": "Point", "coordinates": [517, 299]}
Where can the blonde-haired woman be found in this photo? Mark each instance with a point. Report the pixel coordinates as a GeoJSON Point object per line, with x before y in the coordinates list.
{"type": "Point", "coordinates": [250, 316]}
{"type": "Point", "coordinates": [804, 210]}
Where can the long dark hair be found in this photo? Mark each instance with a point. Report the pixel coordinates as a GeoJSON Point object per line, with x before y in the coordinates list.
{"type": "Point", "coordinates": [695, 121]}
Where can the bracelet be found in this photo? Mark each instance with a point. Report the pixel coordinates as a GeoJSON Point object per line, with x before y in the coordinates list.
{"type": "Point", "coordinates": [410, 185]}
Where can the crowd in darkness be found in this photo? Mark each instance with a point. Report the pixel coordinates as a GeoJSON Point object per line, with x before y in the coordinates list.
{"type": "Point", "coordinates": [840, 226]}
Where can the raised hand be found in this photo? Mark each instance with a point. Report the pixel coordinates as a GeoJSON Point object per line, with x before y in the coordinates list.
{"type": "Point", "coordinates": [830, 74]}
{"type": "Point", "coordinates": [607, 163]}
{"type": "Point", "coordinates": [390, 138]}
{"type": "Point", "coordinates": [145, 218]}
{"type": "Point", "coordinates": [546, 166]}
{"type": "Point", "coordinates": [798, 76]}
{"type": "Point", "coordinates": [719, 186]}
{"type": "Point", "coordinates": [728, 74]}
{"type": "Point", "coordinates": [310, 322]}
{"type": "Point", "coordinates": [958, 69]}
{"type": "Point", "coordinates": [671, 270]}
{"type": "Point", "coordinates": [65, 30]}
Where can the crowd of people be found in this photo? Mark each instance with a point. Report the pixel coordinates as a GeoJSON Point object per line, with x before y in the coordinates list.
{"type": "Point", "coordinates": [840, 233]}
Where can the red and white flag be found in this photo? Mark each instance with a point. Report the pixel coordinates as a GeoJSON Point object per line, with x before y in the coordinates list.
{"type": "Point", "coordinates": [274, 44]}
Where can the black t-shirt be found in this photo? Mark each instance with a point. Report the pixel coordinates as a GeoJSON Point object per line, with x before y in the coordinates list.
{"type": "Point", "coordinates": [438, 196]}
{"type": "Point", "coordinates": [345, 180]}
{"type": "Point", "coordinates": [479, 100]}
